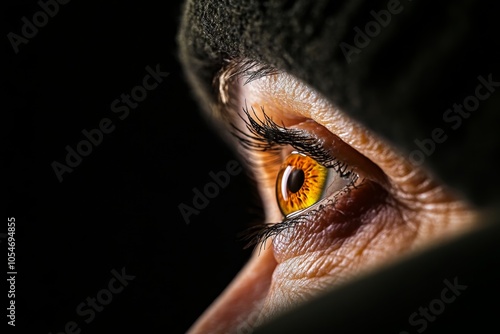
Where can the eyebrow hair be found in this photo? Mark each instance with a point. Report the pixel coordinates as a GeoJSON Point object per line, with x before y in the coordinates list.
{"type": "Point", "coordinates": [252, 70]}
{"type": "Point", "coordinates": [247, 69]}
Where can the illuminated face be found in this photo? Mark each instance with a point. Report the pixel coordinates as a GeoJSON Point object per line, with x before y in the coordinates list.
{"type": "Point", "coordinates": [339, 201]}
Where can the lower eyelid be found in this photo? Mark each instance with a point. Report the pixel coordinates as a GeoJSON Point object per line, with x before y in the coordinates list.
{"type": "Point", "coordinates": [328, 227]}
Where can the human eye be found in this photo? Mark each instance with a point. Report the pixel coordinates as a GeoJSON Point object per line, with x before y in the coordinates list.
{"type": "Point", "coordinates": [307, 167]}
{"type": "Point", "coordinates": [338, 200]}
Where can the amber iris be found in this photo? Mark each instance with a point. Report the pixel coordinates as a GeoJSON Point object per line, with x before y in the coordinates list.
{"type": "Point", "coordinates": [301, 182]}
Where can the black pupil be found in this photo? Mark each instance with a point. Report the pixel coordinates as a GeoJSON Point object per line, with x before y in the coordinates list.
{"type": "Point", "coordinates": [295, 180]}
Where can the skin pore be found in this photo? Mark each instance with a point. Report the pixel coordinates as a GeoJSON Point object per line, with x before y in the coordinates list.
{"type": "Point", "coordinates": [392, 209]}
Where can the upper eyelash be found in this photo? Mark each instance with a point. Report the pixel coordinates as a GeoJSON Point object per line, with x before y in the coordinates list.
{"type": "Point", "coordinates": [267, 135]}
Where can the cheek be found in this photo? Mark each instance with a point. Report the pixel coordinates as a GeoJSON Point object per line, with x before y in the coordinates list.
{"type": "Point", "coordinates": [338, 245]}
{"type": "Point", "coordinates": [343, 243]}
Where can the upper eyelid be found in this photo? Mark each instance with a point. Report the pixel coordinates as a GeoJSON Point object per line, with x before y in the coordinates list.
{"type": "Point", "coordinates": [267, 134]}
{"type": "Point", "coordinates": [318, 142]}
{"type": "Point", "coordinates": [231, 82]}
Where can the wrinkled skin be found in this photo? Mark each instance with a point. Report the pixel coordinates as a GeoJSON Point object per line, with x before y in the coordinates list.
{"type": "Point", "coordinates": [397, 209]}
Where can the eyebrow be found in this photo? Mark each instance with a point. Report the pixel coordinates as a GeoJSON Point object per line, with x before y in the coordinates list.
{"type": "Point", "coordinates": [247, 69]}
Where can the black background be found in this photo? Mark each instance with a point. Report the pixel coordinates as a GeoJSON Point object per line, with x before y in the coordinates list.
{"type": "Point", "coordinates": [119, 207]}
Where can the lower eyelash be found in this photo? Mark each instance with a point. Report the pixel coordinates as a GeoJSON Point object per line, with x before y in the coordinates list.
{"type": "Point", "coordinates": [258, 234]}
